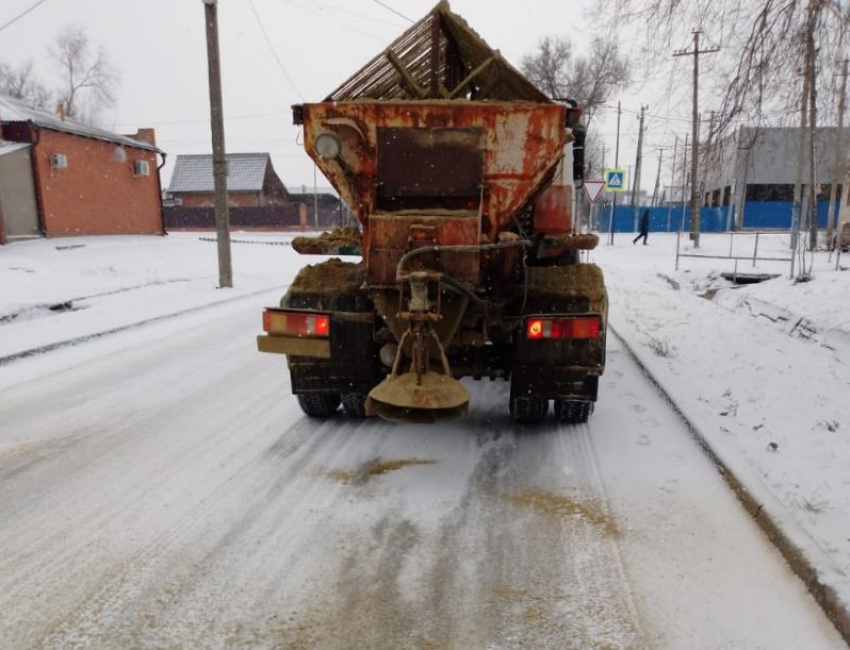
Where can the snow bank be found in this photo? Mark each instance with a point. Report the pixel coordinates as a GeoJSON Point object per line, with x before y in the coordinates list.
{"type": "Point", "coordinates": [56, 290]}
{"type": "Point", "coordinates": [761, 370]}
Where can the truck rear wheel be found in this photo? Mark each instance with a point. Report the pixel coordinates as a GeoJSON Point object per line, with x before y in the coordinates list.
{"type": "Point", "coordinates": [354, 404]}
{"type": "Point", "coordinates": [318, 405]}
{"type": "Point", "coordinates": [573, 411]}
{"type": "Point", "coordinates": [529, 409]}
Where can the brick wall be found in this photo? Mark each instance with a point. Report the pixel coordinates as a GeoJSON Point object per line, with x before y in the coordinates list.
{"type": "Point", "coordinates": [264, 218]}
{"type": "Point", "coordinates": [97, 193]}
{"type": "Point", "coordinates": [207, 200]}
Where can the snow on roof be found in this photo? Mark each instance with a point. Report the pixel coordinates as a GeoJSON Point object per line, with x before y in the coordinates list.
{"type": "Point", "coordinates": [10, 147]}
{"type": "Point", "coordinates": [245, 173]}
{"type": "Point", "coordinates": [15, 110]}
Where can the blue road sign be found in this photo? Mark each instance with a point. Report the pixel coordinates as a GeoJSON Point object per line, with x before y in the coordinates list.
{"type": "Point", "coordinates": [615, 180]}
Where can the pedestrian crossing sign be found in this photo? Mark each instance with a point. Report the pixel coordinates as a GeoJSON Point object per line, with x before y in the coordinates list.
{"type": "Point", "coordinates": [615, 180]}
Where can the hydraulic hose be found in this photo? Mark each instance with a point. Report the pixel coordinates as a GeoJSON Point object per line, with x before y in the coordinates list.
{"type": "Point", "coordinates": [460, 248]}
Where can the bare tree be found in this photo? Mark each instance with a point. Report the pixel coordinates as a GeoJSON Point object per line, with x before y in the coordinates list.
{"type": "Point", "coordinates": [88, 80]}
{"type": "Point", "coordinates": [21, 83]}
{"type": "Point", "coordinates": [588, 79]}
{"type": "Point", "coordinates": [548, 67]}
{"type": "Point", "coordinates": [763, 51]}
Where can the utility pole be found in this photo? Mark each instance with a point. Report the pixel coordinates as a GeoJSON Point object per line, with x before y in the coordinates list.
{"type": "Point", "coordinates": [812, 212]}
{"type": "Point", "coordinates": [839, 170]}
{"type": "Point", "coordinates": [603, 157]}
{"type": "Point", "coordinates": [638, 160]}
{"type": "Point", "coordinates": [616, 166]}
{"type": "Point", "coordinates": [796, 208]}
{"type": "Point", "coordinates": [672, 183]}
{"type": "Point", "coordinates": [707, 153]}
{"type": "Point", "coordinates": [684, 181]}
{"type": "Point", "coordinates": [657, 177]}
{"type": "Point", "coordinates": [222, 214]}
{"type": "Point", "coordinates": [694, 135]}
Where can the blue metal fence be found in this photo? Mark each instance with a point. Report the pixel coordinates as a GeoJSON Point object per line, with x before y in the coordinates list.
{"type": "Point", "coordinates": [764, 215]}
{"type": "Point", "coordinates": [661, 219]}
{"type": "Point", "coordinates": [758, 215]}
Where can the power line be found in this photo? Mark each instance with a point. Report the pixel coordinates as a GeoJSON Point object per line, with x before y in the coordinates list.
{"type": "Point", "coordinates": [274, 52]}
{"type": "Point", "coordinates": [652, 115]}
{"type": "Point", "coordinates": [397, 13]}
{"type": "Point", "coordinates": [346, 22]}
{"type": "Point", "coordinates": [19, 16]}
{"type": "Point", "coordinates": [158, 123]}
{"type": "Point", "coordinates": [325, 7]}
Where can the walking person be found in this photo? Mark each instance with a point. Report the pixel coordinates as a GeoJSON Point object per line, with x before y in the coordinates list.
{"type": "Point", "coordinates": [644, 228]}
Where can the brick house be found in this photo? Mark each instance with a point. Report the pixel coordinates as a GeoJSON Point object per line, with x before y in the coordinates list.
{"type": "Point", "coordinates": [87, 181]}
{"type": "Point", "coordinates": [251, 182]}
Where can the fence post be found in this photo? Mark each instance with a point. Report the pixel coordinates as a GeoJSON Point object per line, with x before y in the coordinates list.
{"type": "Point", "coordinates": [756, 249]}
{"type": "Point", "coordinates": [678, 238]}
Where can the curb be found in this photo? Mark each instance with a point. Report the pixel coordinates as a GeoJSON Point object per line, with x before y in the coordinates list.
{"type": "Point", "coordinates": [123, 328]}
{"type": "Point", "coordinates": [825, 595]}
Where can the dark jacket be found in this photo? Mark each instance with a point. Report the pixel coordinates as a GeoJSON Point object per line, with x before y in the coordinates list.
{"type": "Point", "coordinates": [644, 222]}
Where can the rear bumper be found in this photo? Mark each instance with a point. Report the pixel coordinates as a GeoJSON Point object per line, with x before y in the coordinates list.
{"type": "Point", "coordinates": [302, 347]}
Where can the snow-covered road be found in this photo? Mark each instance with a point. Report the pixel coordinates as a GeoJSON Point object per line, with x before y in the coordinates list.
{"type": "Point", "coordinates": [160, 489]}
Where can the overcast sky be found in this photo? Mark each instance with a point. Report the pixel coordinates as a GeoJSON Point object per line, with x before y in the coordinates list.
{"type": "Point", "coordinates": [159, 49]}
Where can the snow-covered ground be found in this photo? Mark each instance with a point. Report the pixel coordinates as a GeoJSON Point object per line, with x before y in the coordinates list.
{"type": "Point", "coordinates": [762, 370]}
{"type": "Point", "coordinates": [161, 488]}
{"type": "Point", "coordinates": [56, 290]}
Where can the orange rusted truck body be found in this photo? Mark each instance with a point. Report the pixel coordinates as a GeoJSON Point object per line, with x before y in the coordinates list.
{"type": "Point", "coordinates": [495, 157]}
{"type": "Point", "coordinates": [459, 173]}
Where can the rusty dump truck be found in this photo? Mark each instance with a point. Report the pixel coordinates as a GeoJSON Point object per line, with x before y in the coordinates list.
{"type": "Point", "coordinates": [460, 174]}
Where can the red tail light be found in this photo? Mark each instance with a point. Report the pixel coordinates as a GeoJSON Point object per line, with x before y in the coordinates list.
{"type": "Point", "coordinates": [282, 322]}
{"type": "Point", "coordinates": [562, 328]}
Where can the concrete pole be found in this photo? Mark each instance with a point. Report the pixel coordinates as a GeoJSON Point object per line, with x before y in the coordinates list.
{"type": "Point", "coordinates": [638, 165]}
{"type": "Point", "coordinates": [616, 166]}
{"type": "Point", "coordinates": [695, 154]}
{"type": "Point", "coordinates": [657, 177]}
{"type": "Point", "coordinates": [812, 213]}
{"type": "Point", "coordinates": [672, 182]}
{"type": "Point", "coordinates": [796, 207]}
{"type": "Point", "coordinates": [684, 181]}
{"type": "Point", "coordinates": [695, 198]}
{"type": "Point", "coordinates": [839, 171]}
{"type": "Point", "coordinates": [222, 213]}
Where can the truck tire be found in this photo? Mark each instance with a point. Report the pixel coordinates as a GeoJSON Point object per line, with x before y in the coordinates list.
{"type": "Point", "coordinates": [318, 405]}
{"type": "Point", "coordinates": [354, 404]}
{"type": "Point", "coordinates": [573, 411]}
{"type": "Point", "coordinates": [529, 409]}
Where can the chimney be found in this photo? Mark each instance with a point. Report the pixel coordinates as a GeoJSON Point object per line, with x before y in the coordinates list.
{"type": "Point", "coordinates": [61, 110]}
{"type": "Point", "coordinates": [144, 135]}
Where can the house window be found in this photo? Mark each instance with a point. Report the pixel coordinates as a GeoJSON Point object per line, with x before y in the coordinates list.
{"type": "Point", "coordinates": [141, 168]}
{"type": "Point", "coordinates": [58, 161]}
